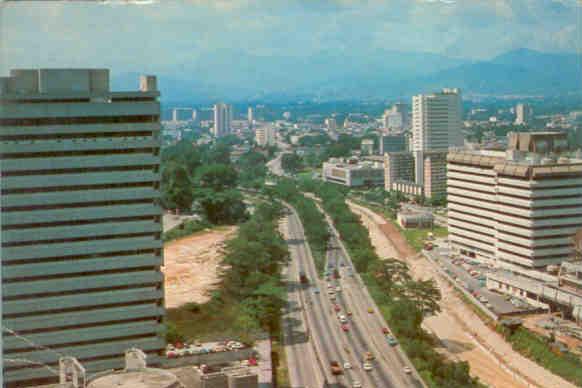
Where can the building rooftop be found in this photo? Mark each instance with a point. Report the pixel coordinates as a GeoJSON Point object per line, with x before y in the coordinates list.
{"type": "Point", "coordinates": [38, 84]}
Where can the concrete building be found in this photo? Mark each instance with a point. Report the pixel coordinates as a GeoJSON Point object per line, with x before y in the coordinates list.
{"type": "Point", "coordinates": [353, 173]}
{"type": "Point", "coordinates": [330, 125]}
{"type": "Point", "coordinates": [396, 117]}
{"type": "Point", "coordinates": [436, 121]}
{"type": "Point", "coordinates": [523, 113]}
{"type": "Point", "coordinates": [80, 221]}
{"type": "Point", "coordinates": [392, 142]}
{"type": "Point", "coordinates": [265, 136]}
{"type": "Point", "coordinates": [222, 119]}
{"type": "Point", "coordinates": [519, 209]}
{"type": "Point", "coordinates": [435, 174]}
{"type": "Point", "coordinates": [367, 147]}
{"type": "Point", "coordinates": [250, 116]}
{"type": "Point", "coordinates": [398, 167]}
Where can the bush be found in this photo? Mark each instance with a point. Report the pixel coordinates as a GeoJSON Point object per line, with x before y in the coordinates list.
{"type": "Point", "coordinates": [187, 228]}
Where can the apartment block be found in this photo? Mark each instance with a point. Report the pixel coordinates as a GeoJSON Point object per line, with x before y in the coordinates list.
{"type": "Point", "coordinates": [518, 209]}
{"type": "Point", "coordinates": [80, 222]}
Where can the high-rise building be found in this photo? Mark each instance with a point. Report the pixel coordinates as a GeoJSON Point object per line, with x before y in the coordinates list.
{"type": "Point", "coordinates": [330, 125]}
{"type": "Point", "coordinates": [80, 222]}
{"type": "Point", "coordinates": [367, 147]}
{"type": "Point", "coordinates": [436, 126]}
{"type": "Point", "coordinates": [436, 120]}
{"type": "Point", "coordinates": [518, 209]}
{"type": "Point", "coordinates": [392, 142]}
{"type": "Point", "coordinates": [265, 136]}
{"type": "Point", "coordinates": [523, 113]}
{"type": "Point", "coordinates": [250, 117]}
{"type": "Point", "coordinates": [222, 119]}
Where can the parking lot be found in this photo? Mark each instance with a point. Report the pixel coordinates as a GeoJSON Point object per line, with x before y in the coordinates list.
{"type": "Point", "coordinates": [471, 276]}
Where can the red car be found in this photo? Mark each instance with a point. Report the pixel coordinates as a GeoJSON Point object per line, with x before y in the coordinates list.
{"type": "Point", "coordinates": [345, 328]}
{"type": "Point", "coordinates": [385, 330]}
{"type": "Point", "coordinates": [336, 307]}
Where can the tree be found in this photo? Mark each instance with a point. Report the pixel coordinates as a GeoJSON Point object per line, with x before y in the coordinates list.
{"type": "Point", "coordinates": [221, 207]}
{"type": "Point", "coordinates": [291, 162]}
{"type": "Point", "coordinates": [176, 188]}
{"type": "Point", "coordinates": [216, 177]}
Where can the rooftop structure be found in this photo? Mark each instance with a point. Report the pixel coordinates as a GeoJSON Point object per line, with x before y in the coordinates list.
{"type": "Point", "coordinates": [80, 220]}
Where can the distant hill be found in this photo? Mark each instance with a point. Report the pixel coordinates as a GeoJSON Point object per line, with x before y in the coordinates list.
{"type": "Point", "coordinates": [377, 74]}
{"type": "Point", "coordinates": [520, 71]}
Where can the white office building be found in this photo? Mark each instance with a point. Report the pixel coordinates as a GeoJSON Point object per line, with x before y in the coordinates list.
{"type": "Point", "coordinates": [265, 136]}
{"type": "Point", "coordinates": [517, 209]}
{"type": "Point", "coordinates": [222, 120]}
{"type": "Point", "coordinates": [80, 222]}
{"type": "Point", "coordinates": [523, 113]}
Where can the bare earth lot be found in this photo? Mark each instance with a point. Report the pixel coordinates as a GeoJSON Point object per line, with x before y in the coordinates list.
{"type": "Point", "coordinates": [192, 266]}
{"type": "Point", "coordinates": [463, 335]}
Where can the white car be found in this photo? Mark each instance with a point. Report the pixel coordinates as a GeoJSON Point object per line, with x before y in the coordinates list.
{"type": "Point", "coordinates": [347, 365]}
{"type": "Point", "coordinates": [338, 289]}
{"type": "Point", "coordinates": [343, 319]}
{"type": "Point", "coordinates": [368, 367]}
{"type": "Point", "coordinates": [407, 370]}
{"type": "Point", "coordinates": [356, 384]}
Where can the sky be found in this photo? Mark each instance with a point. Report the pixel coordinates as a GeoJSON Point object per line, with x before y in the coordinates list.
{"type": "Point", "coordinates": [172, 36]}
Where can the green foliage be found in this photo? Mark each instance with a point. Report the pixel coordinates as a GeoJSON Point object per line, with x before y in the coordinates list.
{"type": "Point", "coordinates": [217, 177]}
{"type": "Point", "coordinates": [221, 207]}
{"type": "Point", "coordinates": [176, 187]}
{"type": "Point", "coordinates": [172, 334]}
{"type": "Point", "coordinates": [539, 350]}
{"type": "Point", "coordinates": [185, 229]}
{"type": "Point", "coordinates": [291, 163]}
{"type": "Point", "coordinates": [252, 169]}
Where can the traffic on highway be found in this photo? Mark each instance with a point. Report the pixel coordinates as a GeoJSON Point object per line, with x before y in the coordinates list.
{"type": "Point", "coordinates": [348, 339]}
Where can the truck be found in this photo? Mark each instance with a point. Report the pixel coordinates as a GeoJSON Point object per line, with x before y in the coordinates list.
{"type": "Point", "coordinates": [303, 278]}
{"type": "Point", "coordinates": [336, 369]}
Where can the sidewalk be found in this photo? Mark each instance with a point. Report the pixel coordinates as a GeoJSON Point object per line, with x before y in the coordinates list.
{"type": "Point", "coordinates": [461, 331]}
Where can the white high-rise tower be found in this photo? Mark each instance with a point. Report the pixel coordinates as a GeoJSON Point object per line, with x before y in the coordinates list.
{"type": "Point", "coordinates": [222, 119]}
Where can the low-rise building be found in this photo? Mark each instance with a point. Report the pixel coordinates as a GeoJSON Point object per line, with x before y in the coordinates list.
{"type": "Point", "coordinates": [353, 172]}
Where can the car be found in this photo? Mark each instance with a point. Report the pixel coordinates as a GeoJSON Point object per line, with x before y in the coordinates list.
{"type": "Point", "coordinates": [407, 370]}
{"type": "Point", "coordinates": [338, 289]}
{"type": "Point", "coordinates": [370, 310]}
{"type": "Point", "coordinates": [385, 330]}
{"type": "Point", "coordinates": [343, 319]}
{"type": "Point", "coordinates": [368, 356]}
{"type": "Point", "coordinates": [391, 340]}
{"type": "Point", "coordinates": [332, 297]}
{"type": "Point", "coordinates": [367, 366]}
{"type": "Point", "coordinates": [347, 365]}
{"type": "Point", "coordinates": [316, 291]}
{"type": "Point", "coordinates": [329, 286]}
{"type": "Point", "coordinates": [345, 327]}
{"type": "Point", "coordinates": [349, 313]}
{"type": "Point", "coordinates": [356, 384]}
{"type": "Point", "coordinates": [336, 307]}
{"type": "Point", "coordinates": [330, 291]}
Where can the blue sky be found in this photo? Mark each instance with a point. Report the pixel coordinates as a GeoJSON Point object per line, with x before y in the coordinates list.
{"type": "Point", "coordinates": [208, 36]}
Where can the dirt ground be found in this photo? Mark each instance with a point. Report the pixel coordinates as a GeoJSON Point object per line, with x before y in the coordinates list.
{"type": "Point", "coordinates": [463, 335]}
{"type": "Point", "coordinates": [192, 266]}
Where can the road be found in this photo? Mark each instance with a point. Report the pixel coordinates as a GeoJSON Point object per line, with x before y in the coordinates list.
{"type": "Point", "coordinates": [314, 333]}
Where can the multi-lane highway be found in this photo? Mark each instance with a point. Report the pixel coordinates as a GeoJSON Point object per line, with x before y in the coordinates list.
{"type": "Point", "coordinates": [314, 333]}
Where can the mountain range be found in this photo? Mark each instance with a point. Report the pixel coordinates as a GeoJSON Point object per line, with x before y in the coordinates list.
{"type": "Point", "coordinates": [237, 76]}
